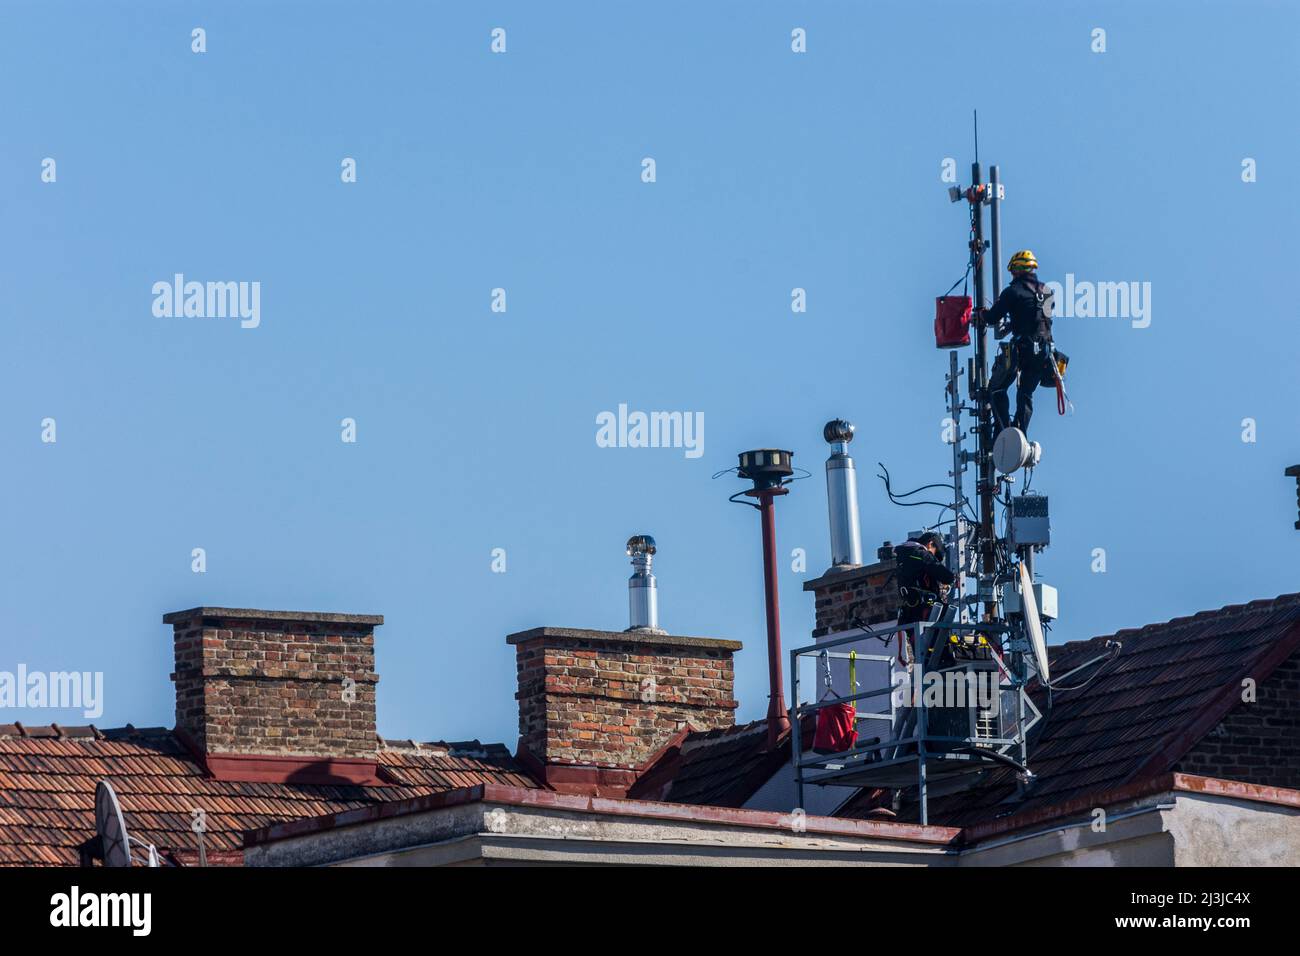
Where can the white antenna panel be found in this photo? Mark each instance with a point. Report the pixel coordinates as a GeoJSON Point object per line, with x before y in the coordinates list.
{"type": "Point", "coordinates": [1034, 626]}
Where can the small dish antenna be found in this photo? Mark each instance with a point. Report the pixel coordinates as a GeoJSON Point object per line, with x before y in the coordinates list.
{"type": "Point", "coordinates": [1013, 451]}
{"type": "Point", "coordinates": [1033, 625]}
{"type": "Point", "coordinates": [111, 827]}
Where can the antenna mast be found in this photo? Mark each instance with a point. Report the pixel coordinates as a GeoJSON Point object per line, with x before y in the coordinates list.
{"type": "Point", "coordinates": [986, 483]}
{"type": "Point", "coordinates": [978, 195]}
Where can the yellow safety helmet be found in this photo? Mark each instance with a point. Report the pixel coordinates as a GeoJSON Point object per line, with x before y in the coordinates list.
{"type": "Point", "coordinates": [1023, 261]}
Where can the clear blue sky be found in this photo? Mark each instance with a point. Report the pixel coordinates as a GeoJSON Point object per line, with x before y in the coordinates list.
{"type": "Point", "coordinates": [476, 430]}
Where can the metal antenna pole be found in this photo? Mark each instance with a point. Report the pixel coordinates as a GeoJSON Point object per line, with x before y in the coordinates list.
{"type": "Point", "coordinates": [958, 497]}
{"type": "Point", "coordinates": [985, 485]}
{"type": "Point", "coordinates": [995, 223]}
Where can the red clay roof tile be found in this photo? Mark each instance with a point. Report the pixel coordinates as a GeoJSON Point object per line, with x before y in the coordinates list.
{"type": "Point", "coordinates": [48, 777]}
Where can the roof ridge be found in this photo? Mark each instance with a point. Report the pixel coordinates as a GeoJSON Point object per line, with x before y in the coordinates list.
{"type": "Point", "coordinates": [59, 731]}
{"type": "Point", "coordinates": [56, 731]}
{"type": "Point", "coordinates": [442, 748]}
{"type": "Point", "coordinates": [1228, 610]}
{"type": "Point", "coordinates": [700, 738]}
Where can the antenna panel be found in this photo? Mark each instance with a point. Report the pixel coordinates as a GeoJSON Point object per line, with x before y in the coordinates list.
{"type": "Point", "coordinates": [1033, 626]}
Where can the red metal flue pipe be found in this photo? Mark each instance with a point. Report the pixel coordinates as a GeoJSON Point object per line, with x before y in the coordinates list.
{"type": "Point", "coordinates": [778, 720]}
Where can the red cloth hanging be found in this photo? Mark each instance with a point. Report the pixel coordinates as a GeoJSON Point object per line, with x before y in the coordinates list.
{"type": "Point", "coordinates": [952, 321]}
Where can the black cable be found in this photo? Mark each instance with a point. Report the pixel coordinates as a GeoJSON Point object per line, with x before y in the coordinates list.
{"type": "Point", "coordinates": [918, 504]}
{"type": "Point", "coordinates": [735, 498]}
{"type": "Point", "coordinates": [897, 499]}
{"type": "Point", "coordinates": [871, 631]}
{"type": "Point", "coordinates": [906, 494]}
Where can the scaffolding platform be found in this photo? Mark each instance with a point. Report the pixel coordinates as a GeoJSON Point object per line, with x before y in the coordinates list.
{"type": "Point", "coordinates": [933, 735]}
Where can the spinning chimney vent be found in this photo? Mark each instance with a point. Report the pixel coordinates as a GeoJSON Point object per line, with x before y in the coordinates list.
{"type": "Point", "coordinates": [766, 467]}
{"type": "Point", "coordinates": [642, 592]}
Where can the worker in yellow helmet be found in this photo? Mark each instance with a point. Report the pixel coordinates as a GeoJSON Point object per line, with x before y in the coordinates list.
{"type": "Point", "coordinates": [1024, 309]}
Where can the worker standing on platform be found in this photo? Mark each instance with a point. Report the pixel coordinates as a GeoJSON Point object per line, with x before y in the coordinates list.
{"type": "Point", "coordinates": [1025, 310]}
{"type": "Point", "coordinates": [923, 578]}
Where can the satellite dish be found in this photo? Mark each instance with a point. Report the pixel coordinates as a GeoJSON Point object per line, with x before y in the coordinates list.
{"type": "Point", "coordinates": [1034, 626]}
{"type": "Point", "coordinates": [1013, 451]}
{"type": "Point", "coordinates": [110, 826]}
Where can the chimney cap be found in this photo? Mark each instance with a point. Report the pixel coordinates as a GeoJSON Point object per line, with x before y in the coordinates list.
{"type": "Point", "coordinates": [838, 430]}
{"type": "Point", "coordinates": [254, 614]}
{"type": "Point", "coordinates": [640, 544]}
{"type": "Point", "coordinates": [623, 637]}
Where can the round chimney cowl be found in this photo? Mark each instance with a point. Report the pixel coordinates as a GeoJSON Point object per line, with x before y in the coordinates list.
{"type": "Point", "coordinates": [640, 544]}
{"type": "Point", "coordinates": [838, 430]}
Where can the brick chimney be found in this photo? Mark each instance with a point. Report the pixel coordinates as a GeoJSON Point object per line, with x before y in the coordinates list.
{"type": "Point", "coordinates": [277, 695]}
{"type": "Point", "coordinates": [869, 593]}
{"type": "Point", "coordinates": [597, 707]}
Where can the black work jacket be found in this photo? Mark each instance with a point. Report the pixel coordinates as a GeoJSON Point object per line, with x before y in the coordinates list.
{"type": "Point", "coordinates": [1019, 302]}
{"type": "Point", "coordinates": [917, 568]}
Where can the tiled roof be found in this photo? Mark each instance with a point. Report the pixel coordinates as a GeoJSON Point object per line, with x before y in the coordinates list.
{"type": "Point", "coordinates": [48, 777]}
{"type": "Point", "coordinates": [720, 768]}
{"type": "Point", "coordinates": [1170, 685]}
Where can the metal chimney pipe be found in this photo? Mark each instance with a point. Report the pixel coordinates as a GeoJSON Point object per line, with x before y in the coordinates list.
{"type": "Point", "coordinates": [770, 470]}
{"type": "Point", "coordinates": [642, 592]}
{"type": "Point", "coordinates": [778, 721]}
{"type": "Point", "coordinates": [842, 496]}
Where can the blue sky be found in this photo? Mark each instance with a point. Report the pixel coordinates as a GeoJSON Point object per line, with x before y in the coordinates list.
{"type": "Point", "coordinates": [476, 430]}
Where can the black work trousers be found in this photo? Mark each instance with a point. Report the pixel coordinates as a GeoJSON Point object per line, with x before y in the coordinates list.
{"type": "Point", "coordinates": [1032, 362]}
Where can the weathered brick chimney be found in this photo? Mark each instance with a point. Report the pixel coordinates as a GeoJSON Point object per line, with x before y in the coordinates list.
{"type": "Point", "coordinates": [596, 707]}
{"type": "Point", "coordinates": [869, 593]}
{"type": "Point", "coordinates": [277, 695]}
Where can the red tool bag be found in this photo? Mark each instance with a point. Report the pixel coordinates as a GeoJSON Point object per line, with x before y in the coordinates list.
{"type": "Point", "coordinates": [837, 724]}
{"type": "Point", "coordinates": [836, 729]}
{"type": "Point", "coordinates": [952, 321]}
